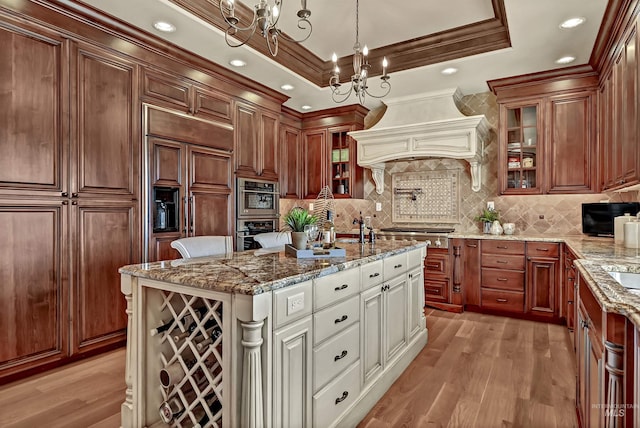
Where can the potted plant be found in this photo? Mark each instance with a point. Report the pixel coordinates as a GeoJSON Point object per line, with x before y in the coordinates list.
{"type": "Point", "coordinates": [295, 221]}
{"type": "Point", "coordinates": [487, 217]}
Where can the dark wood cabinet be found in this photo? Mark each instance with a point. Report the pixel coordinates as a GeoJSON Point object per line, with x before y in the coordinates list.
{"type": "Point", "coordinates": [568, 306]}
{"type": "Point", "coordinates": [547, 133]}
{"type": "Point", "coordinates": [290, 162]}
{"type": "Point", "coordinates": [437, 277]}
{"type": "Point", "coordinates": [503, 276]}
{"type": "Point", "coordinates": [466, 270]}
{"type": "Point", "coordinates": [315, 162]}
{"type": "Point", "coordinates": [543, 267]}
{"type": "Point", "coordinates": [184, 95]}
{"type": "Point", "coordinates": [256, 142]}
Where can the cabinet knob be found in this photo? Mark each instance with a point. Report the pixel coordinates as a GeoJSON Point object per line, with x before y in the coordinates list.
{"type": "Point", "coordinates": [74, 195]}
{"type": "Point", "coordinates": [64, 194]}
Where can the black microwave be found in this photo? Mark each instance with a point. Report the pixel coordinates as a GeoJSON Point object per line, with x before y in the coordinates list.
{"type": "Point", "coordinates": [597, 217]}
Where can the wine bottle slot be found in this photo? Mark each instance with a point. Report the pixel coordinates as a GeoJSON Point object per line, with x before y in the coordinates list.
{"type": "Point", "coordinates": [160, 328]}
{"type": "Point", "coordinates": [174, 373]}
{"type": "Point", "coordinates": [192, 327]}
{"type": "Point", "coordinates": [214, 334]}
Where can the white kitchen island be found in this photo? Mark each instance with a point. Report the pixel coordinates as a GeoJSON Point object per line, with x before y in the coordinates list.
{"type": "Point", "coordinates": [260, 339]}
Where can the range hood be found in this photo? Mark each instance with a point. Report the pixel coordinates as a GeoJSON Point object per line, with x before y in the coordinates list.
{"type": "Point", "coordinates": [423, 126]}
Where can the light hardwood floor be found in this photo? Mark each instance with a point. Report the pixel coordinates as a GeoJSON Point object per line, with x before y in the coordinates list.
{"type": "Point", "coordinates": [476, 371]}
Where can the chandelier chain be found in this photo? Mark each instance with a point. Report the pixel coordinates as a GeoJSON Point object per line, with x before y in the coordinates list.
{"type": "Point", "coordinates": [357, 22]}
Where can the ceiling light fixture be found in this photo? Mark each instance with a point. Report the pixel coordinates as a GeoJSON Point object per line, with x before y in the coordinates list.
{"type": "Point", "coordinates": [237, 63]}
{"type": "Point", "coordinates": [361, 69]}
{"type": "Point", "coordinates": [265, 20]}
{"type": "Point", "coordinates": [449, 70]}
{"type": "Point", "coordinates": [306, 107]}
{"type": "Point", "coordinates": [572, 22]}
{"type": "Point", "coordinates": [164, 26]}
{"type": "Point", "coordinates": [287, 87]}
{"type": "Point", "coordinates": [565, 59]}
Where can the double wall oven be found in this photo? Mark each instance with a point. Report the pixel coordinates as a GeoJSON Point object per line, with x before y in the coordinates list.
{"type": "Point", "coordinates": [257, 210]}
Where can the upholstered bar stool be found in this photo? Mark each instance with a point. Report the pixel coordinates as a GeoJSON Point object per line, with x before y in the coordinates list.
{"type": "Point", "coordinates": [200, 246]}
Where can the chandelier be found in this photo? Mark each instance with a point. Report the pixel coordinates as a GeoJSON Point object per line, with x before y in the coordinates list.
{"type": "Point", "coordinates": [361, 69]}
{"type": "Point", "coordinates": [265, 20]}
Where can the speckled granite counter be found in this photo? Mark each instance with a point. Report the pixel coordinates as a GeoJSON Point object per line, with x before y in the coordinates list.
{"type": "Point", "coordinates": [597, 256]}
{"type": "Point", "coordinates": [259, 271]}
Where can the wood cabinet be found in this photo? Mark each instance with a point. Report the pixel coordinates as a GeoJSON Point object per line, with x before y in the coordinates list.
{"type": "Point", "coordinates": [503, 276]}
{"type": "Point", "coordinates": [329, 154]}
{"type": "Point", "coordinates": [73, 188]}
{"type": "Point", "coordinates": [568, 307]}
{"type": "Point", "coordinates": [290, 162]}
{"type": "Point", "coordinates": [547, 137]}
{"type": "Point", "coordinates": [165, 89]}
{"type": "Point", "coordinates": [256, 142]}
{"type": "Point", "coordinates": [438, 286]}
{"type": "Point", "coordinates": [466, 271]}
{"type": "Point", "coordinates": [543, 268]}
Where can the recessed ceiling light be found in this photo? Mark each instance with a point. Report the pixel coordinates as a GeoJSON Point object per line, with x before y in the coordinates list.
{"type": "Point", "coordinates": [237, 63]}
{"type": "Point", "coordinates": [449, 70]}
{"type": "Point", "coordinates": [306, 107]}
{"type": "Point", "coordinates": [164, 26]}
{"type": "Point", "coordinates": [287, 87]}
{"type": "Point", "coordinates": [565, 60]}
{"type": "Point", "coordinates": [573, 22]}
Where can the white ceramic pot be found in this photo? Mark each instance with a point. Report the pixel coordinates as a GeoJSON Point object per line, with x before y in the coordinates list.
{"type": "Point", "coordinates": [299, 240]}
{"type": "Point", "coordinates": [496, 229]}
{"type": "Point", "coordinates": [509, 228]}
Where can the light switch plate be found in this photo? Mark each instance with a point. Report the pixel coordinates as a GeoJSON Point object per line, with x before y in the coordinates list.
{"type": "Point", "coordinates": [491, 205]}
{"type": "Point", "coordinates": [378, 206]}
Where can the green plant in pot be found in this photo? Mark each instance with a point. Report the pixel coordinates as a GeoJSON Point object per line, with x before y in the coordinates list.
{"type": "Point", "coordinates": [295, 221]}
{"type": "Point", "coordinates": [487, 217]}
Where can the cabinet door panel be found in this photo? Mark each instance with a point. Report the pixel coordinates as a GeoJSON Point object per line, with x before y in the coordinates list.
{"type": "Point", "coordinates": [269, 151]}
{"type": "Point", "coordinates": [167, 163]}
{"type": "Point", "coordinates": [416, 302]}
{"type": "Point", "coordinates": [208, 103]}
{"type": "Point", "coordinates": [372, 323]}
{"type": "Point", "coordinates": [105, 154]}
{"type": "Point", "coordinates": [210, 213]}
{"type": "Point", "coordinates": [630, 141]}
{"type": "Point", "coordinates": [396, 317]}
{"type": "Point", "coordinates": [31, 95]}
{"type": "Point", "coordinates": [315, 163]}
{"type": "Point", "coordinates": [106, 237]}
{"type": "Point", "coordinates": [572, 139]}
{"type": "Point", "coordinates": [33, 292]}
{"type": "Point", "coordinates": [542, 275]}
{"type": "Point", "coordinates": [166, 89]}
{"type": "Point", "coordinates": [292, 375]}
{"type": "Point", "coordinates": [290, 163]}
{"type": "Point", "coordinates": [209, 169]}
{"type": "Point", "coordinates": [246, 130]}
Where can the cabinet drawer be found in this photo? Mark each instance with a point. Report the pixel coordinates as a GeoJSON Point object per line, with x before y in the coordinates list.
{"type": "Point", "coordinates": [334, 356]}
{"type": "Point", "coordinates": [414, 258]}
{"type": "Point", "coordinates": [436, 290]}
{"type": "Point", "coordinates": [545, 249]}
{"type": "Point", "coordinates": [436, 264]}
{"type": "Point", "coordinates": [503, 247]}
{"type": "Point", "coordinates": [331, 288]}
{"type": "Point", "coordinates": [395, 265]}
{"type": "Point", "coordinates": [338, 396]}
{"type": "Point", "coordinates": [330, 321]}
{"type": "Point", "coordinates": [503, 279]}
{"type": "Point", "coordinates": [371, 274]}
{"type": "Point", "coordinates": [503, 300]}
{"type": "Point", "coordinates": [500, 261]}
{"type": "Point", "coordinates": [292, 303]}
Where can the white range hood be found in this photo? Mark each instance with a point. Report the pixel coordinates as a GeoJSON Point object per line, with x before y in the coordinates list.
{"type": "Point", "coordinates": [423, 126]}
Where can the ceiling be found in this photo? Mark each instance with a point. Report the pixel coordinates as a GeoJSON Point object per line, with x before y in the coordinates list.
{"type": "Point", "coordinates": [483, 39]}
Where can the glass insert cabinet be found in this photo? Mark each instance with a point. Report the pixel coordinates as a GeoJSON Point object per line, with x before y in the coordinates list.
{"type": "Point", "coordinates": [520, 157]}
{"type": "Point", "coordinates": [340, 171]}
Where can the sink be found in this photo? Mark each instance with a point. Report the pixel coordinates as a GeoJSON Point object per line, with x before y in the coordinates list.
{"type": "Point", "coordinates": [347, 240]}
{"type": "Point", "coordinates": [626, 279]}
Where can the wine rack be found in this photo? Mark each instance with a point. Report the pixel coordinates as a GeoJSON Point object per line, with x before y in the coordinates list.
{"type": "Point", "coordinates": [190, 344]}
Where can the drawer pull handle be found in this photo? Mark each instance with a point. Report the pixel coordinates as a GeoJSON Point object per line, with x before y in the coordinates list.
{"type": "Point", "coordinates": [570, 302]}
{"type": "Point", "coordinates": [502, 279]}
{"type": "Point", "coordinates": [373, 275]}
{"type": "Point", "coordinates": [504, 262]}
{"type": "Point", "coordinates": [472, 245]}
{"type": "Point", "coordinates": [341, 319]}
{"type": "Point", "coordinates": [342, 287]}
{"type": "Point", "coordinates": [570, 279]}
{"type": "Point", "coordinates": [542, 249]}
{"type": "Point", "coordinates": [339, 400]}
{"type": "Point", "coordinates": [341, 356]}
{"type": "Point", "coordinates": [502, 247]}
{"type": "Point", "coordinates": [397, 266]}
{"type": "Point", "coordinates": [433, 266]}
{"type": "Point", "coordinates": [501, 300]}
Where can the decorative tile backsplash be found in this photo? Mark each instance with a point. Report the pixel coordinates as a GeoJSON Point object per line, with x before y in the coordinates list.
{"type": "Point", "coordinates": [536, 214]}
{"type": "Point", "coordinates": [426, 197]}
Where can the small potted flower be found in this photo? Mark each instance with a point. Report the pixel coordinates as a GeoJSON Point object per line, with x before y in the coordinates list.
{"type": "Point", "coordinates": [487, 217]}
{"type": "Point", "coordinates": [295, 221]}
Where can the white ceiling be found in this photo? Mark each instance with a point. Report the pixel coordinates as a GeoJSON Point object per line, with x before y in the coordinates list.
{"type": "Point", "coordinates": [537, 41]}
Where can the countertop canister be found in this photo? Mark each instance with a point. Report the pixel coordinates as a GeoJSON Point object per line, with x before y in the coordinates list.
{"type": "Point", "coordinates": [632, 234]}
{"type": "Point", "coordinates": [618, 227]}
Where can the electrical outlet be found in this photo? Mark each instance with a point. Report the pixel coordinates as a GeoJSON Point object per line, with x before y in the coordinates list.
{"type": "Point", "coordinates": [491, 205]}
{"type": "Point", "coordinates": [295, 303]}
{"type": "Point", "coordinates": [310, 206]}
{"type": "Point", "coordinates": [378, 206]}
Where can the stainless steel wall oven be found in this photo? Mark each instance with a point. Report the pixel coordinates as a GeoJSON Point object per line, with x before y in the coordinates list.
{"type": "Point", "coordinates": [247, 229]}
{"type": "Point", "coordinates": [257, 198]}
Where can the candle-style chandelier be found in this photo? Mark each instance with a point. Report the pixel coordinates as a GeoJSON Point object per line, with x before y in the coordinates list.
{"type": "Point", "coordinates": [361, 69]}
{"type": "Point", "coordinates": [265, 20]}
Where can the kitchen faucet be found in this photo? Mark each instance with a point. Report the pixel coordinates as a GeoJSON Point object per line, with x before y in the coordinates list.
{"type": "Point", "coordinates": [360, 223]}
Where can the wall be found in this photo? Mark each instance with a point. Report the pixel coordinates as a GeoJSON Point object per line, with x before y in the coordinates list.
{"type": "Point", "coordinates": [561, 214]}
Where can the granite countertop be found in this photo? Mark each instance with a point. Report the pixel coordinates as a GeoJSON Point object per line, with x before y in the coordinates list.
{"type": "Point", "coordinates": [259, 271]}
{"type": "Point", "coordinates": [597, 256]}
